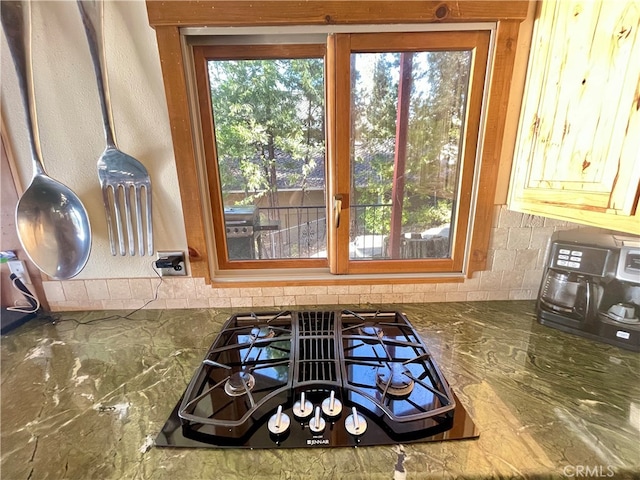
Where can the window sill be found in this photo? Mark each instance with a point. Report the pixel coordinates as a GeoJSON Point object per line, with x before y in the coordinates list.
{"type": "Point", "coordinates": [322, 277]}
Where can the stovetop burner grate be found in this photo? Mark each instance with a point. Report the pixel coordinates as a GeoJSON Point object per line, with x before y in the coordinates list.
{"type": "Point", "coordinates": [316, 323]}
{"type": "Point", "coordinates": [316, 360]}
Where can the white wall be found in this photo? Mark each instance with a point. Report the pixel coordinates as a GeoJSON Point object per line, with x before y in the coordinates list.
{"type": "Point", "coordinates": [71, 124]}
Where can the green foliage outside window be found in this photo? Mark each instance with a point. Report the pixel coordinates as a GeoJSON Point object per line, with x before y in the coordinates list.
{"type": "Point", "coordinates": [269, 121]}
{"type": "Point", "coordinates": [270, 128]}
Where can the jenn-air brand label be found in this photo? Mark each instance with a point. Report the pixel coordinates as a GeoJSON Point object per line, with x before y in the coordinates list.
{"type": "Point", "coordinates": [622, 334]}
{"type": "Point", "coordinates": [318, 441]}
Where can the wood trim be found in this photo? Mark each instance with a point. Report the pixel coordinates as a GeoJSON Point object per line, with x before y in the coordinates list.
{"type": "Point", "coordinates": [13, 167]}
{"type": "Point", "coordinates": [516, 95]}
{"type": "Point", "coordinates": [175, 86]}
{"type": "Point", "coordinates": [502, 72]}
{"type": "Point", "coordinates": [434, 266]}
{"type": "Point", "coordinates": [480, 82]}
{"type": "Point", "coordinates": [590, 200]}
{"type": "Point", "coordinates": [331, 148]}
{"type": "Point", "coordinates": [415, 41]}
{"type": "Point", "coordinates": [609, 220]}
{"type": "Point", "coordinates": [336, 280]}
{"type": "Point", "coordinates": [210, 153]}
{"type": "Point", "coordinates": [330, 12]}
{"type": "Point", "coordinates": [290, 263]}
{"type": "Point", "coordinates": [252, 52]}
{"type": "Point", "coordinates": [342, 140]}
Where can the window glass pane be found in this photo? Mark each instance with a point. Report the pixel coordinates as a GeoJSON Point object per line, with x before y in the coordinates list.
{"type": "Point", "coordinates": [407, 124]}
{"type": "Point", "coordinates": [269, 129]}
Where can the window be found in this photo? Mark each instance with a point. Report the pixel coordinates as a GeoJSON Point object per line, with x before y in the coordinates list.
{"type": "Point", "coordinates": [372, 161]}
{"type": "Point", "coordinates": [264, 108]}
{"type": "Point", "coordinates": [409, 116]}
{"type": "Point", "coordinates": [412, 133]}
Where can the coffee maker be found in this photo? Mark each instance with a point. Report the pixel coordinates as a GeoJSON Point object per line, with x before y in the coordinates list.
{"type": "Point", "coordinates": [591, 286]}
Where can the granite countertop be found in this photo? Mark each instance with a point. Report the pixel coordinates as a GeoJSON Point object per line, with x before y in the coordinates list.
{"type": "Point", "coordinates": [84, 398]}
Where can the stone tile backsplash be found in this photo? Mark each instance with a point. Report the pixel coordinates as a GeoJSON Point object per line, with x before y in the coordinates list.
{"type": "Point", "coordinates": [516, 259]}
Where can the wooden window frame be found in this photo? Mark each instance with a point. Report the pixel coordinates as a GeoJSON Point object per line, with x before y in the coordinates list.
{"type": "Point", "coordinates": [345, 45]}
{"type": "Point", "coordinates": [202, 54]}
{"type": "Point", "coordinates": [168, 17]}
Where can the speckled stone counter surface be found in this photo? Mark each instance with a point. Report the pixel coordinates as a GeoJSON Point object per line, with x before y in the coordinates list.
{"type": "Point", "coordinates": [86, 400]}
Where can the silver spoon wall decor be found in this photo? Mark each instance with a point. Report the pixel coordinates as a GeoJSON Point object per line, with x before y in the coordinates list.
{"type": "Point", "coordinates": [52, 223]}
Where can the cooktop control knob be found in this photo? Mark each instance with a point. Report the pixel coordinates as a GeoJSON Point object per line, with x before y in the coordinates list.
{"type": "Point", "coordinates": [355, 423]}
{"type": "Point", "coordinates": [317, 423]}
{"type": "Point", "coordinates": [331, 406]}
{"type": "Point", "coordinates": [279, 422]}
{"type": "Point", "coordinates": [303, 408]}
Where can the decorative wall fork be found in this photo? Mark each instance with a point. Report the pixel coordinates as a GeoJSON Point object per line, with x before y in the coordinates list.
{"type": "Point", "coordinates": [125, 182]}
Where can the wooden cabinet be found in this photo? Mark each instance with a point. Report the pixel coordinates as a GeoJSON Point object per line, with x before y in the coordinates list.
{"type": "Point", "coordinates": [577, 155]}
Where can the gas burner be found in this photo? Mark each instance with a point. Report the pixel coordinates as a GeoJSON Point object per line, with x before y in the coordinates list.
{"type": "Point", "coordinates": [239, 383]}
{"type": "Point", "coordinates": [261, 333]}
{"type": "Point", "coordinates": [394, 380]}
{"type": "Point", "coordinates": [370, 330]}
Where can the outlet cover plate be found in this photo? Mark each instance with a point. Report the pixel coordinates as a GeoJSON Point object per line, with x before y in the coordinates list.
{"type": "Point", "coordinates": [170, 272]}
{"type": "Point", "coordinates": [19, 269]}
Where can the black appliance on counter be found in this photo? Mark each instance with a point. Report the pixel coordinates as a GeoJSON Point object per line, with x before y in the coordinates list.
{"type": "Point", "coordinates": [591, 287]}
{"type": "Point", "coordinates": [316, 379]}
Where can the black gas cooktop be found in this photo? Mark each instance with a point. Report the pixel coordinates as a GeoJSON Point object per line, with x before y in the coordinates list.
{"type": "Point", "coordinates": [316, 378]}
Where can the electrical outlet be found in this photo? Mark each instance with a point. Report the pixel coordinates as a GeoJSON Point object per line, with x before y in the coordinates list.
{"type": "Point", "coordinates": [180, 268]}
{"type": "Point", "coordinates": [19, 269]}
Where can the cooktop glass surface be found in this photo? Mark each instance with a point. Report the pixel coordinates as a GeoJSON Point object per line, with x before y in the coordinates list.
{"type": "Point", "coordinates": [316, 378]}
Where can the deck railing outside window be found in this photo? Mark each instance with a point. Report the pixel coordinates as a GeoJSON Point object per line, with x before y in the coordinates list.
{"type": "Point", "coordinates": [301, 232]}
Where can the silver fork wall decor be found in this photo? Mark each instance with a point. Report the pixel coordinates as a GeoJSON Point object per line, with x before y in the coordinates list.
{"type": "Point", "coordinates": [125, 182]}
